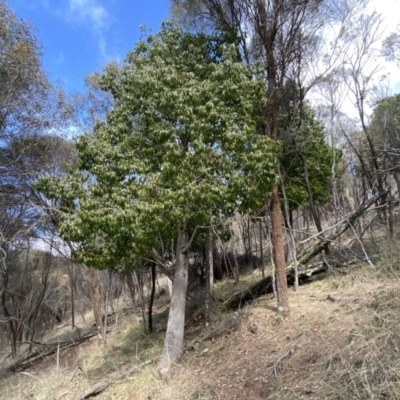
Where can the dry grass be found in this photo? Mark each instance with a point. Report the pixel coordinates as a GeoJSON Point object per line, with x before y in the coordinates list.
{"type": "Point", "coordinates": [341, 341]}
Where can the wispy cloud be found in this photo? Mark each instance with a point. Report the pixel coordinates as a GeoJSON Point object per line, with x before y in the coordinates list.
{"type": "Point", "coordinates": [93, 16]}
{"type": "Point", "coordinates": [90, 11]}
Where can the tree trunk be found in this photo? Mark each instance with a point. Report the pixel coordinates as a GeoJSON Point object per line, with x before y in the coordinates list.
{"type": "Point", "coordinates": [153, 292]}
{"type": "Point", "coordinates": [96, 302]}
{"type": "Point", "coordinates": [211, 262]}
{"type": "Point", "coordinates": [131, 287]}
{"type": "Point", "coordinates": [173, 344]}
{"type": "Point", "coordinates": [72, 282]}
{"type": "Point", "coordinates": [105, 314]}
{"type": "Point", "coordinates": [261, 250]}
{"type": "Point", "coordinates": [290, 232]}
{"type": "Point", "coordinates": [140, 281]}
{"type": "Point", "coordinates": [397, 179]}
{"type": "Point", "coordinates": [279, 252]}
{"type": "Point", "coordinates": [209, 276]}
{"type": "Point", "coordinates": [311, 198]}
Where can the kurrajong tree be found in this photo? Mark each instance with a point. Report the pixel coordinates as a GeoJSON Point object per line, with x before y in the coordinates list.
{"type": "Point", "coordinates": [181, 144]}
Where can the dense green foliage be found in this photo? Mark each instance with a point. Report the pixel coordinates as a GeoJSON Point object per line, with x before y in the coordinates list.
{"type": "Point", "coordinates": [181, 144]}
{"type": "Point", "coordinates": [385, 124]}
{"type": "Point", "coordinates": [302, 134]}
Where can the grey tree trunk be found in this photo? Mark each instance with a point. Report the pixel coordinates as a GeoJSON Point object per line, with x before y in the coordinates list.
{"type": "Point", "coordinates": [95, 298]}
{"type": "Point", "coordinates": [210, 258]}
{"type": "Point", "coordinates": [169, 283]}
{"type": "Point", "coordinates": [173, 345]}
{"type": "Point", "coordinates": [209, 275]}
{"type": "Point", "coordinates": [397, 179]}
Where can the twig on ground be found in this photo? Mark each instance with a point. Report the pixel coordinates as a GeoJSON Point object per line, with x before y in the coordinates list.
{"type": "Point", "coordinates": [280, 359]}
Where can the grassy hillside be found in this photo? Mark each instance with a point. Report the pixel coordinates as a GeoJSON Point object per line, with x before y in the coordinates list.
{"type": "Point", "coordinates": [341, 341]}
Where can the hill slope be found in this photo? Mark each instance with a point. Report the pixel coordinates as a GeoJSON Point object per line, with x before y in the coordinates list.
{"type": "Point", "coordinates": [341, 341]}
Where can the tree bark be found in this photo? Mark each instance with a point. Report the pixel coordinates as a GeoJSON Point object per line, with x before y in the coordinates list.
{"type": "Point", "coordinates": [72, 282]}
{"type": "Point", "coordinates": [209, 276]}
{"type": "Point", "coordinates": [279, 252]}
{"type": "Point", "coordinates": [96, 302]}
{"type": "Point", "coordinates": [397, 179]}
{"type": "Point", "coordinates": [131, 287]}
{"type": "Point", "coordinates": [153, 292]}
{"type": "Point", "coordinates": [173, 345]}
{"type": "Point", "coordinates": [261, 250]}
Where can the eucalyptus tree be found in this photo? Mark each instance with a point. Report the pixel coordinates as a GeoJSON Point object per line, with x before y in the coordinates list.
{"type": "Point", "coordinates": [385, 131]}
{"type": "Point", "coordinates": [29, 106]}
{"type": "Point", "coordinates": [391, 47]}
{"type": "Point", "coordinates": [181, 143]}
{"type": "Point", "coordinates": [29, 109]}
{"type": "Point", "coordinates": [24, 87]}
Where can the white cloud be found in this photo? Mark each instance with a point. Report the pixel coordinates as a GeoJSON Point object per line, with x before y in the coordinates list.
{"type": "Point", "coordinates": [93, 16]}
{"type": "Point", "coordinates": [89, 10]}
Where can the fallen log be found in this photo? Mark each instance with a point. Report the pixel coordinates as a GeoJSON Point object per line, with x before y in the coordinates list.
{"type": "Point", "coordinates": [103, 385]}
{"type": "Point", "coordinates": [48, 349]}
{"type": "Point", "coordinates": [305, 272]}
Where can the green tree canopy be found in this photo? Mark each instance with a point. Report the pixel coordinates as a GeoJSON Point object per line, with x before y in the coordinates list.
{"type": "Point", "coordinates": [310, 140]}
{"type": "Point", "coordinates": [301, 133]}
{"type": "Point", "coordinates": [385, 130]}
{"type": "Point", "coordinates": [180, 144]}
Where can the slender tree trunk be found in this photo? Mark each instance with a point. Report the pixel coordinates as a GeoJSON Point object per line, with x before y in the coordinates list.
{"type": "Point", "coordinates": [40, 300]}
{"type": "Point", "coordinates": [169, 284]}
{"type": "Point", "coordinates": [270, 125]}
{"type": "Point", "coordinates": [105, 320]}
{"type": "Point", "coordinates": [96, 302]}
{"type": "Point", "coordinates": [261, 250]}
{"type": "Point", "coordinates": [279, 252]}
{"type": "Point", "coordinates": [140, 281]}
{"type": "Point", "coordinates": [173, 345]}
{"type": "Point", "coordinates": [271, 247]}
{"type": "Point", "coordinates": [209, 267]}
{"type": "Point", "coordinates": [290, 231]}
{"type": "Point", "coordinates": [397, 179]}
{"type": "Point", "coordinates": [153, 292]}
{"type": "Point", "coordinates": [235, 269]}
{"type": "Point", "coordinates": [313, 209]}
{"type": "Point", "coordinates": [10, 320]}
{"type": "Point", "coordinates": [71, 272]}
{"type": "Point", "coordinates": [389, 190]}
{"type": "Point", "coordinates": [131, 286]}
{"type": "Point", "coordinates": [211, 262]}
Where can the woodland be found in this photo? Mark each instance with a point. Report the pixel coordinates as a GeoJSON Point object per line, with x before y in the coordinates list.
{"type": "Point", "coordinates": [245, 137]}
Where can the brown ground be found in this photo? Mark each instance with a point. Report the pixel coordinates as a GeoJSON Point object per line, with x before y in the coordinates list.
{"type": "Point", "coordinates": [341, 341]}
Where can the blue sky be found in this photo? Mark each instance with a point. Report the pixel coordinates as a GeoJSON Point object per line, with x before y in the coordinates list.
{"type": "Point", "coordinates": [80, 36]}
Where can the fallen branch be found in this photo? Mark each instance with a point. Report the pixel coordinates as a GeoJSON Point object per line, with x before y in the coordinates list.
{"type": "Point", "coordinates": [103, 385]}
{"type": "Point", "coordinates": [346, 224]}
{"type": "Point", "coordinates": [306, 271]}
{"type": "Point", "coordinates": [49, 349]}
{"type": "Point", "coordinates": [280, 359]}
